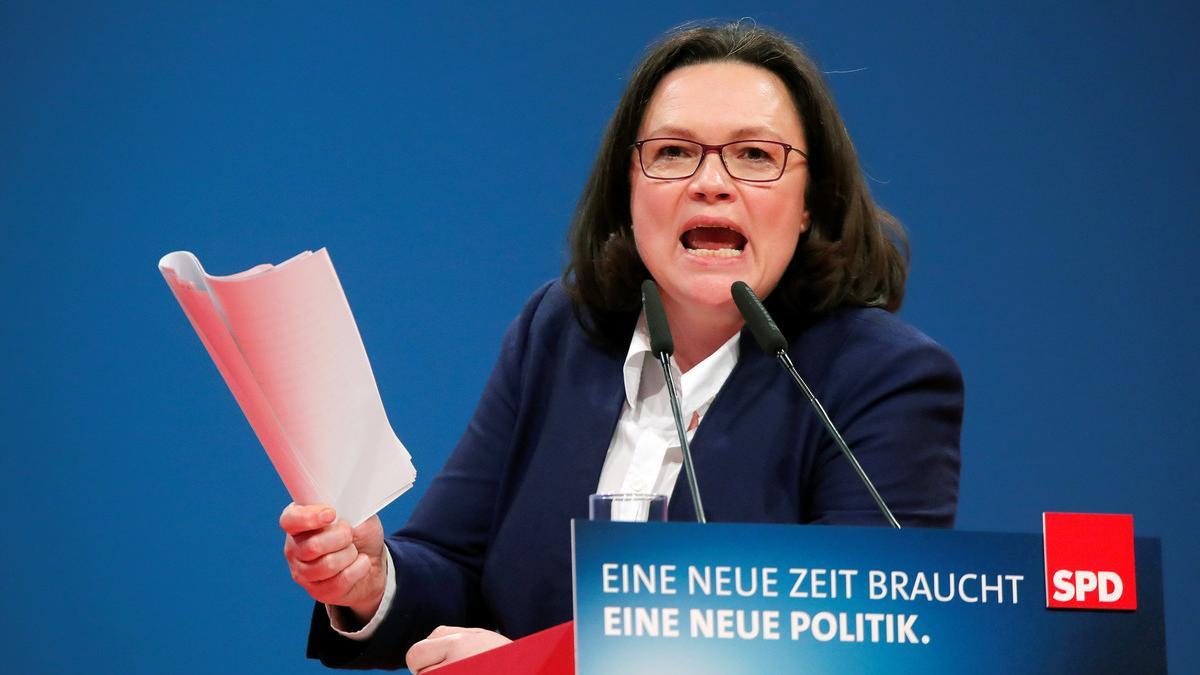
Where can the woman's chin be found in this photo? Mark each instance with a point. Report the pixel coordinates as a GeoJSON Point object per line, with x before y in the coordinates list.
{"type": "Point", "coordinates": [710, 292]}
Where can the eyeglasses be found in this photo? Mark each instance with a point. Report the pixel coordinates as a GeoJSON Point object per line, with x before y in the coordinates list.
{"type": "Point", "coordinates": [752, 161]}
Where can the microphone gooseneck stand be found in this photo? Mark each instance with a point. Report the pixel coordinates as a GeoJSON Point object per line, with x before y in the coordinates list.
{"type": "Point", "coordinates": [662, 346]}
{"type": "Point", "coordinates": [771, 339]}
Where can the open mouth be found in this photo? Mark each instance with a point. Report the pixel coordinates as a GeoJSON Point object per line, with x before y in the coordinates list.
{"type": "Point", "coordinates": [713, 241]}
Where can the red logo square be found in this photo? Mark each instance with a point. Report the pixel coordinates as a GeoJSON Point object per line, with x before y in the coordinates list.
{"type": "Point", "coordinates": [1089, 561]}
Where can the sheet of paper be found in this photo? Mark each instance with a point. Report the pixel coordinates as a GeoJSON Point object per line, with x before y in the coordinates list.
{"type": "Point", "coordinates": [285, 341]}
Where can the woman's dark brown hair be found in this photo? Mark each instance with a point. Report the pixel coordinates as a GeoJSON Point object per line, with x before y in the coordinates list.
{"type": "Point", "coordinates": [853, 254]}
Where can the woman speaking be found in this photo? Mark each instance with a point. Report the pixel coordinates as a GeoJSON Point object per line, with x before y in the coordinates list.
{"type": "Point", "coordinates": [726, 160]}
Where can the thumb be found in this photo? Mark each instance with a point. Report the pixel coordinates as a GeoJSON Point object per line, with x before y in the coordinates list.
{"type": "Point", "coordinates": [368, 537]}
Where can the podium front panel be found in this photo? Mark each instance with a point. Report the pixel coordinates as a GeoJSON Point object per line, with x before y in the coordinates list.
{"type": "Point", "coordinates": [724, 598]}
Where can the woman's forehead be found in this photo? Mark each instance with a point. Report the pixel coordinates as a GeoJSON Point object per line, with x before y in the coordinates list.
{"type": "Point", "coordinates": [722, 101]}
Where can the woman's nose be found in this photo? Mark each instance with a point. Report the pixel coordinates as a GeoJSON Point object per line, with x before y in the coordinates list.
{"type": "Point", "coordinates": [711, 182]}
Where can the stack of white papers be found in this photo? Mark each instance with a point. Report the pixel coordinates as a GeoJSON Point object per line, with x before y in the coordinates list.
{"type": "Point", "coordinates": [287, 345]}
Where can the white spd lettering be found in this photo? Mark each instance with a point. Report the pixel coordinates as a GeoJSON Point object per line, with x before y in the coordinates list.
{"type": "Point", "coordinates": [1075, 585]}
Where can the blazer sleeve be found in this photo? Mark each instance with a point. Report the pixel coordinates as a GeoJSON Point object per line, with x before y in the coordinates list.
{"type": "Point", "coordinates": [897, 398]}
{"type": "Point", "coordinates": [439, 554]}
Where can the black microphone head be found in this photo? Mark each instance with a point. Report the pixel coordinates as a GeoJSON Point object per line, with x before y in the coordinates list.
{"type": "Point", "coordinates": [766, 333]}
{"type": "Point", "coordinates": [656, 320]}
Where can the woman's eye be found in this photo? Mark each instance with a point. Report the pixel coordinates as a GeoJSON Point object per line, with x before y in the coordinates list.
{"type": "Point", "coordinates": [755, 154]}
{"type": "Point", "coordinates": [669, 152]}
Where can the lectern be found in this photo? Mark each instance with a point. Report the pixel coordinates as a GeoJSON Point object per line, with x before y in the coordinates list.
{"type": "Point", "coordinates": [654, 598]}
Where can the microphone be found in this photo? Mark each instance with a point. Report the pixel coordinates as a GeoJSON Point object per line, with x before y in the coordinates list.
{"type": "Point", "coordinates": [771, 339]}
{"type": "Point", "coordinates": [662, 346]}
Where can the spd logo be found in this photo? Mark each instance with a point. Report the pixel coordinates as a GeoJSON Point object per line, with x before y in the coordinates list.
{"type": "Point", "coordinates": [1089, 561]}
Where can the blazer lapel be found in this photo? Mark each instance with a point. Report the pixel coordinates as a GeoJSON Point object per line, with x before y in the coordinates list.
{"type": "Point", "coordinates": [601, 385]}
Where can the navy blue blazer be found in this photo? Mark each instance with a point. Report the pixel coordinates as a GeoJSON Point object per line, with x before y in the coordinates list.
{"type": "Point", "coordinates": [488, 545]}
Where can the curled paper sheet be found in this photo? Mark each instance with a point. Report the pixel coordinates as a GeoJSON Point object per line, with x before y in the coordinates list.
{"type": "Point", "coordinates": [284, 339]}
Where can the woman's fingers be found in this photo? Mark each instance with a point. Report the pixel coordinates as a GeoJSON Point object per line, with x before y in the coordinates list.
{"type": "Point", "coordinates": [428, 653]}
{"type": "Point", "coordinates": [336, 564]}
{"type": "Point", "coordinates": [442, 631]}
{"type": "Point", "coordinates": [296, 518]}
{"type": "Point", "coordinates": [326, 566]}
{"type": "Point", "coordinates": [447, 644]}
{"type": "Point", "coordinates": [336, 589]}
{"type": "Point", "coordinates": [311, 545]}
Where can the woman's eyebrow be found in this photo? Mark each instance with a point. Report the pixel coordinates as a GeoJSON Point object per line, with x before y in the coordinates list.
{"type": "Point", "coordinates": [670, 131]}
{"type": "Point", "coordinates": [750, 132]}
{"type": "Point", "coordinates": [754, 132]}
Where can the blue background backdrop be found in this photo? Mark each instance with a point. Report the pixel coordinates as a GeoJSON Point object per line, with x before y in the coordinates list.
{"type": "Point", "coordinates": [1043, 159]}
